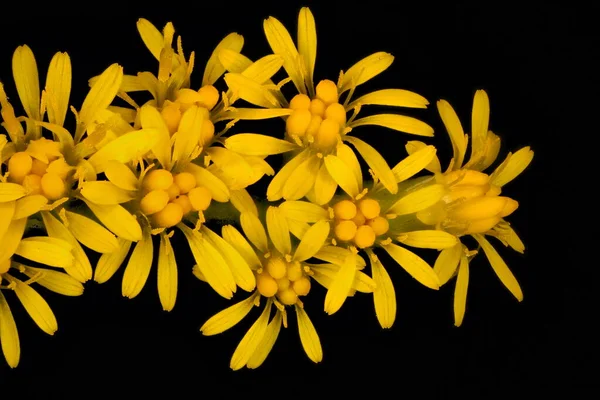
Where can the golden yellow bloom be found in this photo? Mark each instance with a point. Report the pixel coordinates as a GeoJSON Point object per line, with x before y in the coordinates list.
{"type": "Point", "coordinates": [318, 127]}
{"type": "Point", "coordinates": [471, 203]}
{"type": "Point", "coordinates": [42, 164]}
{"type": "Point", "coordinates": [18, 277]}
{"type": "Point", "coordinates": [283, 276]}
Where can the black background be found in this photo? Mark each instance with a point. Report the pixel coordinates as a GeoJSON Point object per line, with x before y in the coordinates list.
{"type": "Point", "coordinates": [532, 60]}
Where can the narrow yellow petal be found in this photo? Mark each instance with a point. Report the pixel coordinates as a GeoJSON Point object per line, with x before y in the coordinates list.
{"type": "Point", "coordinates": [376, 162]}
{"type": "Point", "coordinates": [312, 241]}
{"type": "Point", "coordinates": [105, 193]}
{"type": "Point", "coordinates": [7, 212]}
{"type": "Point", "coordinates": [500, 268]}
{"type": "Point", "coordinates": [337, 255]}
{"type": "Point", "coordinates": [342, 174]}
{"type": "Point", "coordinates": [228, 318]}
{"type": "Point", "coordinates": [46, 250]}
{"type": "Point", "coordinates": [80, 269]}
{"type": "Point", "coordinates": [324, 188]}
{"type": "Point", "coordinates": [151, 37]}
{"type": "Point", "coordinates": [366, 69]}
{"type": "Point", "coordinates": [251, 91]}
{"type": "Point", "coordinates": [447, 262]}
{"type": "Point", "coordinates": [9, 336]}
{"type": "Point", "coordinates": [391, 97]}
{"type": "Point", "coordinates": [480, 119]}
{"type": "Point", "coordinates": [414, 145]}
{"type": "Point", "coordinates": [27, 206]}
{"type": "Point", "coordinates": [243, 202]}
{"type": "Point", "coordinates": [233, 61]}
{"type": "Point", "coordinates": [150, 118]}
{"type": "Point", "coordinates": [217, 188]}
{"type": "Point", "coordinates": [264, 68]}
{"type": "Point", "coordinates": [242, 274]}
{"type": "Point", "coordinates": [302, 179]}
{"type": "Point", "coordinates": [281, 43]}
{"type": "Point", "coordinates": [346, 154]}
{"type": "Point", "coordinates": [234, 166]}
{"type": "Point", "coordinates": [414, 265]}
{"type": "Point", "coordinates": [189, 133]}
{"type": "Point", "coordinates": [125, 148]}
{"type": "Point", "coordinates": [308, 336]}
{"type": "Point", "coordinates": [167, 274]}
{"type": "Point", "coordinates": [298, 228]}
{"type": "Point", "coordinates": [275, 188]}
{"type": "Point", "coordinates": [36, 307]}
{"type": "Point", "coordinates": [58, 88]}
{"type": "Point", "coordinates": [11, 191]}
{"type": "Point", "coordinates": [118, 220]}
{"type": "Point", "coordinates": [384, 295]}
{"type": "Point", "coordinates": [414, 163]}
{"type": "Point", "coordinates": [138, 267]}
{"type": "Point", "coordinates": [102, 93]}
{"type": "Point", "coordinates": [251, 339]}
{"type": "Point", "coordinates": [511, 167]}
{"type": "Point", "coordinates": [418, 200]}
{"type": "Point", "coordinates": [279, 232]}
{"type": "Point", "coordinates": [396, 122]}
{"type": "Point", "coordinates": [214, 69]}
{"type": "Point", "coordinates": [341, 285]}
{"type": "Point", "coordinates": [460, 291]}
{"type": "Point", "coordinates": [254, 144]}
{"type": "Point", "coordinates": [307, 44]}
{"type": "Point", "coordinates": [429, 239]}
{"type": "Point", "coordinates": [268, 341]}
{"type": "Point", "coordinates": [235, 239]}
{"type": "Point", "coordinates": [121, 175]}
{"type": "Point", "coordinates": [211, 263]}
{"type": "Point", "coordinates": [12, 238]}
{"type": "Point", "coordinates": [109, 263]}
{"type": "Point", "coordinates": [254, 231]}
{"type": "Point", "coordinates": [303, 211]}
{"type": "Point", "coordinates": [26, 77]}
{"type": "Point", "coordinates": [325, 274]}
{"type": "Point", "coordinates": [91, 234]}
{"type": "Point", "coordinates": [58, 282]}
{"type": "Point", "coordinates": [455, 131]}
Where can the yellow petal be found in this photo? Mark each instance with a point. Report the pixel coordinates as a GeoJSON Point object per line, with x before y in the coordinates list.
{"type": "Point", "coordinates": [11, 191]}
{"type": "Point", "coordinates": [376, 162]}
{"type": "Point", "coordinates": [9, 336]}
{"type": "Point", "coordinates": [298, 228]}
{"type": "Point", "coordinates": [102, 93]}
{"type": "Point", "coordinates": [312, 241]}
{"type": "Point", "coordinates": [188, 133]}
{"type": "Point", "coordinates": [150, 118]}
{"type": "Point", "coordinates": [303, 211]}
{"type": "Point", "coordinates": [341, 285]}
{"type": "Point", "coordinates": [447, 262]}
{"type": "Point", "coordinates": [455, 131]}
{"type": "Point", "coordinates": [109, 263]}
{"type": "Point", "coordinates": [151, 37]}
{"type": "Point", "coordinates": [391, 97]}
{"type": "Point", "coordinates": [302, 179]}
{"type": "Point", "coordinates": [460, 291]}
{"type": "Point", "coordinates": [242, 274]}
{"type": "Point", "coordinates": [46, 250]}
{"type": "Point", "coordinates": [228, 318]}
{"type": "Point", "coordinates": [346, 154]}
{"type": "Point", "coordinates": [251, 91]}
{"type": "Point", "coordinates": [214, 69]}
{"type": "Point", "coordinates": [91, 234]}
{"type": "Point", "coordinates": [118, 220]}
{"type": "Point", "coordinates": [58, 88]}
{"type": "Point", "coordinates": [81, 269]}
{"type": "Point", "coordinates": [27, 206]}
{"type": "Point", "coordinates": [138, 267]}
{"type": "Point", "coordinates": [36, 307]}
{"type": "Point", "coordinates": [125, 148]}
{"type": "Point", "coordinates": [258, 145]}
{"type": "Point", "coordinates": [418, 200]}
{"type": "Point", "coordinates": [414, 265]}
{"type": "Point", "coordinates": [384, 295]}
{"type": "Point", "coordinates": [233, 61]}
{"type": "Point", "coordinates": [121, 175]}
{"type": "Point", "coordinates": [366, 69]}
{"type": "Point", "coordinates": [275, 188]}
{"type": "Point", "coordinates": [279, 232]}
{"type": "Point", "coordinates": [217, 188]}
{"type": "Point", "coordinates": [264, 68]}
{"type": "Point", "coordinates": [480, 119]}
{"type": "Point", "coordinates": [414, 145]}
{"type": "Point", "coordinates": [211, 263]}
{"type": "Point", "coordinates": [12, 238]}
{"type": "Point", "coordinates": [267, 342]}
{"type": "Point", "coordinates": [396, 122]}
{"type": "Point", "coordinates": [167, 274]}
{"type": "Point", "coordinates": [254, 231]}
{"type": "Point", "coordinates": [342, 174]}
{"type": "Point", "coordinates": [235, 239]}
{"type": "Point", "coordinates": [105, 193]}
{"type": "Point", "coordinates": [308, 336]}
{"type": "Point", "coordinates": [25, 73]}
{"type": "Point", "coordinates": [281, 43]}
{"type": "Point", "coordinates": [511, 167]}
{"type": "Point", "coordinates": [429, 239]}
{"type": "Point", "coordinates": [253, 113]}
{"type": "Point", "coordinates": [324, 188]}
{"type": "Point", "coordinates": [414, 163]}
{"type": "Point", "coordinates": [337, 255]}
{"type": "Point", "coordinates": [243, 202]}
{"type": "Point", "coordinates": [58, 282]}
{"type": "Point", "coordinates": [7, 211]}
{"type": "Point", "coordinates": [251, 340]}
{"type": "Point", "coordinates": [307, 44]}
{"type": "Point", "coordinates": [500, 267]}
{"type": "Point", "coordinates": [234, 166]}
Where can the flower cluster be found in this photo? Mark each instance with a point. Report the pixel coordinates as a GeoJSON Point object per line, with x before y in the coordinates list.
{"type": "Point", "coordinates": [120, 180]}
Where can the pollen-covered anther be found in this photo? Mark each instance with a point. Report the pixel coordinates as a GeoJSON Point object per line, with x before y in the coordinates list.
{"type": "Point", "coordinates": [154, 202]}
{"type": "Point", "coordinates": [327, 91]}
{"type": "Point", "coordinates": [345, 230]}
{"type": "Point", "coordinates": [344, 209]}
{"type": "Point", "coordinates": [370, 208]}
{"type": "Point", "coordinates": [209, 97]}
{"type": "Point", "coordinates": [379, 224]}
{"type": "Point", "coordinates": [337, 113]}
{"type": "Point", "coordinates": [288, 296]}
{"type": "Point", "coordinates": [169, 216]}
{"type": "Point", "coordinates": [301, 286]}
{"type": "Point", "coordinates": [365, 237]}
{"type": "Point", "coordinates": [266, 285]}
{"type": "Point", "coordinates": [297, 123]}
{"type": "Point", "coordinates": [19, 166]}
{"type": "Point", "coordinates": [157, 179]}
{"type": "Point", "coordinates": [300, 102]}
{"type": "Point", "coordinates": [52, 185]}
{"type": "Point", "coordinates": [276, 267]}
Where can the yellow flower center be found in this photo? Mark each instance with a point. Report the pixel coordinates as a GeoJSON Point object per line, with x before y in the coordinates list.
{"type": "Point", "coordinates": [319, 122]}
{"type": "Point", "coordinates": [286, 280]}
{"type": "Point", "coordinates": [167, 198]}
{"type": "Point", "coordinates": [471, 204]}
{"type": "Point", "coordinates": [359, 223]}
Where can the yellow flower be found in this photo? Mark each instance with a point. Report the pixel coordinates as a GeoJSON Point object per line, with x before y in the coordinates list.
{"type": "Point", "coordinates": [318, 126]}
{"type": "Point", "coordinates": [471, 204]}
{"type": "Point", "coordinates": [163, 190]}
{"type": "Point", "coordinates": [18, 277]}
{"type": "Point", "coordinates": [283, 275]}
{"type": "Point", "coordinates": [42, 163]}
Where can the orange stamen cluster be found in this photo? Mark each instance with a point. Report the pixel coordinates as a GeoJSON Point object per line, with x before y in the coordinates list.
{"type": "Point", "coordinates": [359, 223]}
{"type": "Point", "coordinates": [286, 280]}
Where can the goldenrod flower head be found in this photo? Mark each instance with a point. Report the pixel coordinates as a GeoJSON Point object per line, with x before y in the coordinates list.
{"type": "Point", "coordinates": [283, 276]}
{"type": "Point", "coordinates": [318, 127]}
{"type": "Point", "coordinates": [470, 202]}
{"type": "Point", "coordinates": [18, 277]}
